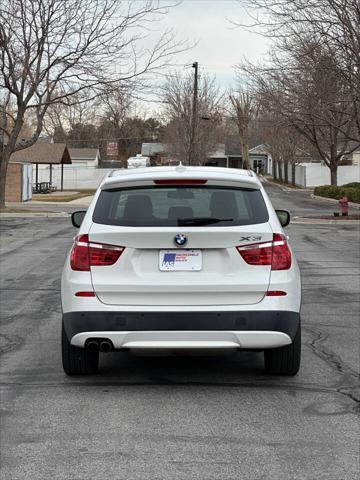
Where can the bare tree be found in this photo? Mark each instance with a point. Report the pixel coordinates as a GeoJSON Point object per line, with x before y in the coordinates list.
{"type": "Point", "coordinates": [284, 144]}
{"type": "Point", "coordinates": [301, 86]}
{"type": "Point", "coordinates": [290, 149]}
{"type": "Point", "coordinates": [242, 112]}
{"type": "Point", "coordinates": [331, 23]}
{"type": "Point", "coordinates": [177, 96]}
{"type": "Point", "coordinates": [117, 104]}
{"type": "Point", "coordinates": [61, 118]}
{"type": "Point", "coordinates": [51, 50]}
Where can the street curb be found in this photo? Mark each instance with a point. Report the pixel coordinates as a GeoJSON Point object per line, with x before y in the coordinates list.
{"type": "Point", "coordinates": [322, 221]}
{"type": "Point", "coordinates": [333, 200]}
{"type": "Point", "coordinates": [34, 214]}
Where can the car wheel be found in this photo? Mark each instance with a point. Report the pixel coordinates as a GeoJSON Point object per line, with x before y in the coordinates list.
{"type": "Point", "coordinates": [77, 361]}
{"type": "Point", "coordinates": [284, 360]}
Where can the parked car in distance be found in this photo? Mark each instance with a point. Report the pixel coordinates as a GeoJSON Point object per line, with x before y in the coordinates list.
{"type": "Point", "coordinates": [175, 258]}
{"type": "Point", "coordinates": [138, 162]}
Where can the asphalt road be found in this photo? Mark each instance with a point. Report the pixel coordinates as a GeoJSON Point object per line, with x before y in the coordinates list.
{"type": "Point", "coordinates": [300, 203]}
{"type": "Point", "coordinates": [179, 418]}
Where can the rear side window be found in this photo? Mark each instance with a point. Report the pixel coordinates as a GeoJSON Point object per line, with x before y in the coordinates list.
{"type": "Point", "coordinates": [179, 206]}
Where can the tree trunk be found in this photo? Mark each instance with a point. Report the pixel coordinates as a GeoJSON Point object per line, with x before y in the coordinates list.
{"type": "Point", "coordinates": [245, 154]}
{"type": "Point", "coordinates": [333, 174]}
{"type": "Point", "coordinates": [293, 173]}
{"type": "Point", "coordinates": [280, 171]}
{"type": "Point", "coordinates": [4, 161]}
{"type": "Point", "coordinates": [286, 173]}
{"type": "Point", "coordinates": [122, 154]}
{"type": "Point", "coordinates": [274, 169]}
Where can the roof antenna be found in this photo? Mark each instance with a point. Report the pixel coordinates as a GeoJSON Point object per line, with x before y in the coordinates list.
{"type": "Point", "coordinates": [180, 167]}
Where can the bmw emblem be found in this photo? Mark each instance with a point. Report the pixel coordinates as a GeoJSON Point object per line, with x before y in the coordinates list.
{"type": "Point", "coordinates": [180, 240]}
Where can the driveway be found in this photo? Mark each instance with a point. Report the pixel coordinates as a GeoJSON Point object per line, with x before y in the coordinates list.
{"type": "Point", "coordinates": [179, 418]}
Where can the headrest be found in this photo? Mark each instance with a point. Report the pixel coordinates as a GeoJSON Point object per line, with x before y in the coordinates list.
{"type": "Point", "coordinates": [223, 205]}
{"type": "Point", "coordinates": [138, 207]}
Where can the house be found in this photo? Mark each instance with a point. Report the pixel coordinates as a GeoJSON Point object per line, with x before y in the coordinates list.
{"type": "Point", "coordinates": [260, 159]}
{"type": "Point", "coordinates": [226, 155]}
{"type": "Point", "coordinates": [85, 157]}
{"type": "Point", "coordinates": [217, 158]}
{"type": "Point", "coordinates": [233, 152]}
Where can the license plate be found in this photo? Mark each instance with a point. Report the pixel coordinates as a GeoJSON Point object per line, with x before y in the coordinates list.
{"type": "Point", "coordinates": [180, 260]}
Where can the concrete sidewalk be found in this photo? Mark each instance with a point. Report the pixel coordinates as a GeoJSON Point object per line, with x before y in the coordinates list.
{"type": "Point", "coordinates": [32, 214]}
{"type": "Point", "coordinates": [83, 202]}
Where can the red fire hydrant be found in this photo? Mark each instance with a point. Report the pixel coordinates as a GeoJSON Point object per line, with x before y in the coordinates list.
{"type": "Point", "coordinates": [344, 206]}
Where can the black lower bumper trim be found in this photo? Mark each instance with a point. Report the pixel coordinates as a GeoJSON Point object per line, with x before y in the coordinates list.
{"type": "Point", "coordinates": [77, 322]}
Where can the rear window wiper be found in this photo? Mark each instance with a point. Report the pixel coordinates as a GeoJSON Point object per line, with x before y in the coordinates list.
{"type": "Point", "coordinates": [182, 222]}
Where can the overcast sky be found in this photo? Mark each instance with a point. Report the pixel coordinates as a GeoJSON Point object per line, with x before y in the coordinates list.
{"type": "Point", "coordinates": [220, 45]}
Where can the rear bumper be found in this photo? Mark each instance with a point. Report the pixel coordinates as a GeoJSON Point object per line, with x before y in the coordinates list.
{"type": "Point", "coordinates": [177, 340]}
{"type": "Point", "coordinates": [254, 329]}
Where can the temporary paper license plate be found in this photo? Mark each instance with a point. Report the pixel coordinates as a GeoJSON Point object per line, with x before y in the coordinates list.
{"type": "Point", "coordinates": [180, 260]}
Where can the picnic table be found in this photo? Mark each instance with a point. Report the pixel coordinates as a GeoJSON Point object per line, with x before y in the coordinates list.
{"type": "Point", "coordinates": [43, 187]}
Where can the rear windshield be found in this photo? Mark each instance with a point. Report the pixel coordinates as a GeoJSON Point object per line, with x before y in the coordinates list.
{"type": "Point", "coordinates": [180, 206]}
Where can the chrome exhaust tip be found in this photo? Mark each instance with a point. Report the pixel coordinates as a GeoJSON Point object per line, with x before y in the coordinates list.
{"type": "Point", "coordinates": [92, 346]}
{"type": "Point", "coordinates": [105, 346]}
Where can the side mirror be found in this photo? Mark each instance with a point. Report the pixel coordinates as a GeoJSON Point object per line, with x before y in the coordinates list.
{"type": "Point", "coordinates": [284, 217]}
{"type": "Point", "coordinates": [77, 218]}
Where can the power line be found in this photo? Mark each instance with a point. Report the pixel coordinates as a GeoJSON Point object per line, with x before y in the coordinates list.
{"type": "Point", "coordinates": [97, 140]}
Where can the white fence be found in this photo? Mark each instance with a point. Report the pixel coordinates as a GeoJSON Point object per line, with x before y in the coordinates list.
{"type": "Point", "coordinates": [74, 177]}
{"type": "Point", "coordinates": [313, 174]}
{"type": "Point", "coordinates": [306, 175]}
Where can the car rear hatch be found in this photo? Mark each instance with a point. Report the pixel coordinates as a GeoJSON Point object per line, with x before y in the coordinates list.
{"type": "Point", "coordinates": [207, 270]}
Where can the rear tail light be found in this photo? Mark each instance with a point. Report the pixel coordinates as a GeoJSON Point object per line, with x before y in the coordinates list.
{"type": "Point", "coordinates": [275, 253]}
{"type": "Point", "coordinates": [281, 259]}
{"type": "Point", "coordinates": [86, 254]}
{"type": "Point", "coordinates": [181, 181]}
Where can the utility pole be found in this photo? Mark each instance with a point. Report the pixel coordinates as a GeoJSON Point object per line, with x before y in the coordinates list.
{"type": "Point", "coordinates": [195, 65]}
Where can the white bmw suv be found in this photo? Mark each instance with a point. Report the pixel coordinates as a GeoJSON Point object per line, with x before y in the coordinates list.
{"type": "Point", "coordinates": [181, 258]}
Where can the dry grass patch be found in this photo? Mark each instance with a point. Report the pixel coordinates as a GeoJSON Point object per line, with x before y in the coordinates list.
{"type": "Point", "coordinates": [19, 210]}
{"type": "Point", "coordinates": [50, 197]}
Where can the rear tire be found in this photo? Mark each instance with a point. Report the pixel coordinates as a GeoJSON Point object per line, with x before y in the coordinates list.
{"type": "Point", "coordinates": [284, 360]}
{"type": "Point", "coordinates": [77, 361]}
